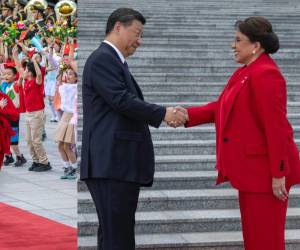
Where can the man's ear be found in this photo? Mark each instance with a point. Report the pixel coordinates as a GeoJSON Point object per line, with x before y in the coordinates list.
{"type": "Point", "coordinates": [117, 27]}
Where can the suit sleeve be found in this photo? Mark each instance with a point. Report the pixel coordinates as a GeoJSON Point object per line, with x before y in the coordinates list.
{"type": "Point", "coordinates": [107, 82]}
{"type": "Point", "coordinates": [269, 89]}
{"type": "Point", "coordinates": [202, 114]}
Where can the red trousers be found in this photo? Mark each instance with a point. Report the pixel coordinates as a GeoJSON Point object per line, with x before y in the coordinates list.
{"type": "Point", "coordinates": [263, 221]}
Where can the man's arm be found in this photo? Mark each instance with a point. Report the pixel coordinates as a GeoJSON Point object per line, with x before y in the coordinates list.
{"type": "Point", "coordinates": [106, 81]}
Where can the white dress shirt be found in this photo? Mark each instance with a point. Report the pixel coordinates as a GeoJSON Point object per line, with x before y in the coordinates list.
{"type": "Point", "coordinates": [116, 49]}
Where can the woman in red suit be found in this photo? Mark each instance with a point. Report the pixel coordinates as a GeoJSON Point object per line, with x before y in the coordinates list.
{"type": "Point", "coordinates": [255, 148]}
{"type": "Point", "coordinates": [8, 113]}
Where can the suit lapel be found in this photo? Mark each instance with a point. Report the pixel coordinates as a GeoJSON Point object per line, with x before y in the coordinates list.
{"type": "Point", "coordinates": [240, 82]}
{"type": "Point", "coordinates": [132, 84]}
{"type": "Point", "coordinates": [139, 91]}
{"type": "Point", "coordinates": [129, 80]}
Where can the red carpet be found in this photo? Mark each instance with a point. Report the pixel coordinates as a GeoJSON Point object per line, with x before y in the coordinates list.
{"type": "Point", "coordinates": [20, 230]}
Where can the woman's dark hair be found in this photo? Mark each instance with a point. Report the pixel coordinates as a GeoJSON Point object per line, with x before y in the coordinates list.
{"type": "Point", "coordinates": [124, 15]}
{"type": "Point", "coordinates": [30, 67]}
{"type": "Point", "coordinates": [259, 29]}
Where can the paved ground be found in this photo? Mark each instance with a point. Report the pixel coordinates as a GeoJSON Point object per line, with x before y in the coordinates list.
{"type": "Point", "coordinates": [44, 193]}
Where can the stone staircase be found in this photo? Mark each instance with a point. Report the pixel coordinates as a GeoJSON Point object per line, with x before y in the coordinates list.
{"type": "Point", "coordinates": [186, 60]}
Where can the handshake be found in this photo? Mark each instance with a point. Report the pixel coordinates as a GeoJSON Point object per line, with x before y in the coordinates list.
{"type": "Point", "coordinates": [176, 116]}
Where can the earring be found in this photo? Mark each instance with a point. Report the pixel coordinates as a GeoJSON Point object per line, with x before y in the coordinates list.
{"type": "Point", "coordinates": [253, 52]}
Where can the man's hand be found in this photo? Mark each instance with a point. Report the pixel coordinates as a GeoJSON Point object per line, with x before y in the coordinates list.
{"type": "Point", "coordinates": [279, 190]}
{"type": "Point", "coordinates": [184, 111]}
{"type": "Point", "coordinates": [3, 103]}
{"type": "Point", "coordinates": [175, 118]}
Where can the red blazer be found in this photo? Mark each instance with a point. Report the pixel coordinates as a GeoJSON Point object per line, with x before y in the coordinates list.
{"type": "Point", "coordinates": [8, 113]}
{"type": "Point", "coordinates": [254, 139]}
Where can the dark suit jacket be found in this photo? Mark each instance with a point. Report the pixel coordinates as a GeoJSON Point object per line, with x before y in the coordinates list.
{"type": "Point", "coordinates": [116, 141]}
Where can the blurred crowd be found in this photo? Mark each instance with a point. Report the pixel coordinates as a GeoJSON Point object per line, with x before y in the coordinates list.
{"type": "Point", "coordinates": [38, 67]}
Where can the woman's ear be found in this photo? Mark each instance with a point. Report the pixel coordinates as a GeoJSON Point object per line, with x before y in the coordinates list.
{"type": "Point", "coordinates": [257, 46]}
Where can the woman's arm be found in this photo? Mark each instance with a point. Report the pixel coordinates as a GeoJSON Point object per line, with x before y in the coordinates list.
{"type": "Point", "coordinates": [270, 98]}
{"type": "Point", "coordinates": [202, 114]}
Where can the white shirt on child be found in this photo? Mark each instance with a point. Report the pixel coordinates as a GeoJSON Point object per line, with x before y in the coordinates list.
{"type": "Point", "coordinates": [68, 95]}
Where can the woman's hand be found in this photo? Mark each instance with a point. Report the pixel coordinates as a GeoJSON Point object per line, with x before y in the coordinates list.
{"type": "Point", "coordinates": [279, 190]}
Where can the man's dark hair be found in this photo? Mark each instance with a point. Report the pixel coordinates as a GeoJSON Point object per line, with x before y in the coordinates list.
{"type": "Point", "coordinates": [13, 69]}
{"type": "Point", "coordinates": [124, 15]}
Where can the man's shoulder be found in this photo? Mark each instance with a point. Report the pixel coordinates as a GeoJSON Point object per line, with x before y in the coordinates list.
{"type": "Point", "coordinates": [101, 54]}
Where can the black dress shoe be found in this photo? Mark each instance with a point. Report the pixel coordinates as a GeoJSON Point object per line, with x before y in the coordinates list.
{"type": "Point", "coordinates": [42, 167]}
{"type": "Point", "coordinates": [34, 165]}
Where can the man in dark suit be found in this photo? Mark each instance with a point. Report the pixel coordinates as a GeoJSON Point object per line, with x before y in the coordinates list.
{"type": "Point", "coordinates": [117, 151]}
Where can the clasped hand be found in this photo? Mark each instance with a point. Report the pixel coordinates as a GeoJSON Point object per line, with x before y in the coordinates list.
{"type": "Point", "coordinates": [176, 116]}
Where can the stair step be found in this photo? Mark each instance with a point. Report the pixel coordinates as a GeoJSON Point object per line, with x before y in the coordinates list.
{"type": "Point", "coordinates": [292, 107]}
{"type": "Point", "coordinates": [192, 241]}
{"type": "Point", "coordinates": [194, 133]}
{"type": "Point", "coordinates": [184, 221]}
{"type": "Point", "coordinates": [195, 77]}
{"type": "Point", "coordinates": [187, 199]}
{"type": "Point", "coordinates": [180, 180]}
{"type": "Point", "coordinates": [196, 87]}
{"type": "Point", "coordinates": [196, 96]}
{"type": "Point", "coordinates": [184, 162]}
{"type": "Point", "coordinates": [188, 147]}
{"type": "Point", "coordinates": [294, 119]}
{"type": "Point", "coordinates": [94, 43]}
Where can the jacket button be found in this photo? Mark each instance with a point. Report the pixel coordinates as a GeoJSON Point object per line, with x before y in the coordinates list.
{"type": "Point", "coordinates": [281, 168]}
{"type": "Point", "coordinates": [225, 139]}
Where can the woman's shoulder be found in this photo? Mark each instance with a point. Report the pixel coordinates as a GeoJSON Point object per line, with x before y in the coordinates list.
{"type": "Point", "coordinates": [266, 69]}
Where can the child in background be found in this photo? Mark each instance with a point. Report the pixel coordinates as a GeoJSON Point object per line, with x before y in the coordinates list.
{"type": "Point", "coordinates": [32, 80]}
{"type": "Point", "coordinates": [8, 113]}
{"type": "Point", "coordinates": [66, 131]}
{"type": "Point", "coordinates": [50, 83]}
{"type": "Point", "coordinates": [9, 87]}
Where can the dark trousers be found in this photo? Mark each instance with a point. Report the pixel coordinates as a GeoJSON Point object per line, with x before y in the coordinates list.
{"type": "Point", "coordinates": [116, 204]}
